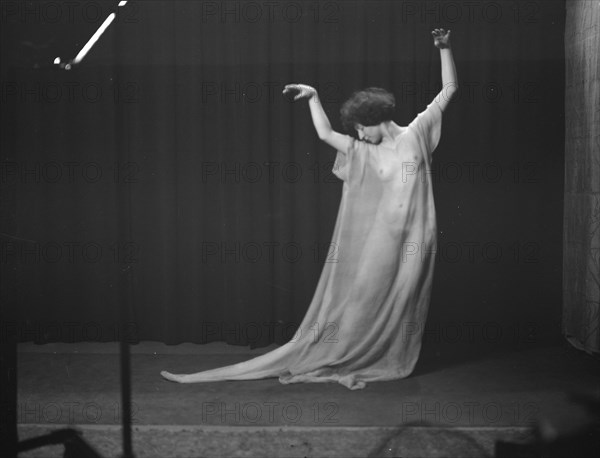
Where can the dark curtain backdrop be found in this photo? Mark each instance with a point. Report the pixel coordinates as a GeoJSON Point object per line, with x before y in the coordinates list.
{"type": "Point", "coordinates": [232, 198]}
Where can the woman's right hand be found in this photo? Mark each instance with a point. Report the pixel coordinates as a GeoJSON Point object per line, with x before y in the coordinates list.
{"type": "Point", "coordinates": [303, 91]}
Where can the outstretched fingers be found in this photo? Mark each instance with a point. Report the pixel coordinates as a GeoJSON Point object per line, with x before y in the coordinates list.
{"type": "Point", "coordinates": [293, 88]}
{"type": "Point", "coordinates": [171, 377]}
{"type": "Point", "coordinates": [440, 32]}
{"type": "Point", "coordinates": [289, 88]}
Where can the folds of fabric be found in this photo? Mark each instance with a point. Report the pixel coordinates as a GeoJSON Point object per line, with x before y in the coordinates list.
{"type": "Point", "coordinates": [367, 316]}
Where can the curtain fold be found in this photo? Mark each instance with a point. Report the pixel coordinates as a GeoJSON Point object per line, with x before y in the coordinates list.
{"type": "Point", "coordinates": [581, 279]}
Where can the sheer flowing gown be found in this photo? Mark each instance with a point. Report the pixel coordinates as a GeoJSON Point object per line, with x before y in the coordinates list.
{"type": "Point", "coordinates": [367, 316]}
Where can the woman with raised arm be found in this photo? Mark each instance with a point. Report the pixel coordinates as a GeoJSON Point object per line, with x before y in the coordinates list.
{"type": "Point", "coordinates": [367, 316]}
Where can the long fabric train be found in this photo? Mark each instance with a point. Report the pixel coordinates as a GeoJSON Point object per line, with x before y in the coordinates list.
{"type": "Point", "coordinates": [366, 318]}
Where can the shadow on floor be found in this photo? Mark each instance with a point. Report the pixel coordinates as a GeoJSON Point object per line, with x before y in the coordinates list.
{"type": "Point", "coordinates": [436, 356]}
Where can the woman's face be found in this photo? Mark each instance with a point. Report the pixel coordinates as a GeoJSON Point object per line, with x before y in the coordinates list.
{"type": "Point", "coordinates": [369, 134]}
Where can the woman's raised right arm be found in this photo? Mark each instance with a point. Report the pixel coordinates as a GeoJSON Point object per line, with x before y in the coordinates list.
{"type": "Point", "coordinates": [322, 125]}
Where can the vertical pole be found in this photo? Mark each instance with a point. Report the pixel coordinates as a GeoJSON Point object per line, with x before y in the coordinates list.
{"type": "Point", "coordinates": [125, 280]}
{"type": "Point", "coordinates": [9, 323]}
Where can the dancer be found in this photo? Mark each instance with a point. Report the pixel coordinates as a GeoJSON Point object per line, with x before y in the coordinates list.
{"type": "Point", "coordinates": [367, 316]}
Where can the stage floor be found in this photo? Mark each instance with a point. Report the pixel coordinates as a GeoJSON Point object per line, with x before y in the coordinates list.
{"type": "Point", "coordinates": [477, 393]}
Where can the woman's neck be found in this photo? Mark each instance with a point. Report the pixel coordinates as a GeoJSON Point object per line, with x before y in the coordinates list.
{"type": "Point", "coordinates": [391, 131]}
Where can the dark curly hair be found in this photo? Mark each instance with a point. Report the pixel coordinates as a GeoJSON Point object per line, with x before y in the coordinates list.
{"type": "Point", "coordinates": [368, 107]}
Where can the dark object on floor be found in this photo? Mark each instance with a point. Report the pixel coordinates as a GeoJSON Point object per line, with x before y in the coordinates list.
{"type": "Point", "coordinates": [75, 445]}
{"type": "Point", "coordinates": [576, 435]}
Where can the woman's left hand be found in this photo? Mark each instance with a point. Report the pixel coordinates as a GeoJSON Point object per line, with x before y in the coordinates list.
{"type": "Point", "coordinates": [441, 38]}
